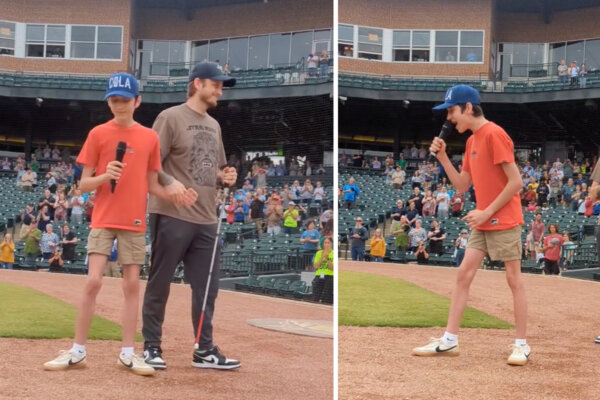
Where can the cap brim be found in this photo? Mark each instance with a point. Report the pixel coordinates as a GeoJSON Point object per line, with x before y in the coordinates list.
{"type": "Point", "coordinates": [121, 93]}
{"type": "Point", "coordinates": [228, 81]}
{"type": "Point", "coordinates": [443, 106]}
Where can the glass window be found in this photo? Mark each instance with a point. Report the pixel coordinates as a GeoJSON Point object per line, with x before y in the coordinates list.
{"type": "Point", "coordinates": [110, 51]}
{"type": "Point", "coordinates": [258, 52]}
{"type": "Point", "coordinates": [7, 38]}
{"type": "Point", "coordinates": [420, 38]}
{"type": "Point", "coordinates": [176, 52]}
{"type": "Point", "coordinates": [471, 38]}
{"type": "Point", "coordinates": [575, 52]}
{"type": "Point", "coordinates": [536, 55]}
{"type": "Point", "coordinates": [345, 50]}
{"type": "Point", "coordinates": [218, 51]}
{"type": "Point", "coordinates": [83, 33]}
{"type": "Point", "coordinates": [369, 43]}
{"type": "Point", "coordinates": [346, 33]}
{"type": "Point", "coordinates": [557, 52]}
{"type": "Point", "coordinates": [238, 54]}
{"type": "Point", "coordinates": [323, 35]}
{"type": "Point", "coordinates": [402, 38]}
{"type": "Point", "coordinates": [55, 34]}
{"type": "Point", "coordinates": [301, 46]}
{"type": "Point", "coordinates": [279, 49]}
{"type": "Point", "coordinates": [35, 33]}
{"type": "Point", "coordinates": [109, 34]}
{"type": "Point", "coordinates": [446, 38]}
{"type": "Point", "coordinates": [592, 54]}
{"type": "Point", "coordinates": [199, 51]}
{"type": "Point", "coordinates": [420, 55]}
{"type": "Point", "coordinates": [470, 54]}
{"type": "Point", "coordinates": [82, 50]}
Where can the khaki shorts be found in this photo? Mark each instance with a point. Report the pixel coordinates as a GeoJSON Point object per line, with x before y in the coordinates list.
{"type": "Point", "coordinates": [502, 245]}
{"type": "Point", "coordinates": [131, 246]}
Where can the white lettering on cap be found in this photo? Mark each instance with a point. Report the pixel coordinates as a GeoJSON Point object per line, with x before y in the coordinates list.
{"type": "Point", "coordinates": [448, 95]}
{"type": "Point", "coordinates": [117, 82]}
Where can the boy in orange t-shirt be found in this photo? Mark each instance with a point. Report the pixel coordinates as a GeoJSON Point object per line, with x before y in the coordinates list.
{"type": "Point", "coordinates": [496, 222]}
{"type": "Point", "coordinates": [118, 214]}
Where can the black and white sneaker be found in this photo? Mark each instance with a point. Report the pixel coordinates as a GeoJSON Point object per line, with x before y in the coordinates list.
{"type": "Point", "coordinates": [213, 359]}
{"type": "Point", "coordinates": [153, 357]}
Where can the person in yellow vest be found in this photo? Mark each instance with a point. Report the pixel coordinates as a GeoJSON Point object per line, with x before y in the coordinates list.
{"type": "Point", "coordinates": [290, 219]}
{"type": "Point", "coordinates": [377, 246]}
{"type": "Point", "coordinates": [322, 285]}
{"type": "Point", "coordinates": [7, 252]}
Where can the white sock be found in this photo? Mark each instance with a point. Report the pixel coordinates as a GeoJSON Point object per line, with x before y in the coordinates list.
{"type": "Point", "coordinates": [450, 339]}
{"type": "Point", "coordinates": [126, 351]}
{"type": "Point", "coordinates": [520, 342]}
{"type": "Point", "coordinates": [78, 349]}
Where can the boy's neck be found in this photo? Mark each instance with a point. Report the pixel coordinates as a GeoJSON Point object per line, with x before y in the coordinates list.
{"type": "Point", "coordinates": [477, 123]}
{"type": "Point", "coordinates": [124, 122]}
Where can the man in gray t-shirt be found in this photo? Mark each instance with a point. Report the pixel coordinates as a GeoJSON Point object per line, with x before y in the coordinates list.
{"type": "Point", "coordinates": [192, 156]}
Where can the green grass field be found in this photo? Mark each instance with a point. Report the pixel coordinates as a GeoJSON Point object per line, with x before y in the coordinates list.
{"type": "Point", "coordinates": [28, 314]}
{"type": "Point", "coordinates": [373, 300]}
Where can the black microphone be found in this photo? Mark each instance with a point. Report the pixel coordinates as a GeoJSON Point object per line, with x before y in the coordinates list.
{"type": "Point", "coordinates": [121, 149]}
{"type": "Point", "coordinates": [444, 133]}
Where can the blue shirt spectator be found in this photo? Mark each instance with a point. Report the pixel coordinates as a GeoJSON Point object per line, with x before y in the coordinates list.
{"type": "Point", "coordinates": [310, 238]}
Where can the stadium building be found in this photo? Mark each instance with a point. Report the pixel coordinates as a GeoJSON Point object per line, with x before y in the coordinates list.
{"type": "Point", "coordinates": [56, 55]}
{"type": "Point", "coordinates": [398, 58]}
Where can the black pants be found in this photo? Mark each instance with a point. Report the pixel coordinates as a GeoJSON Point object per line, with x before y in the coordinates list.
{"type": "Point", "coordinates": [551, 267]}
{"type": "Point", "coordinates": [173, 241]}
{"type": "Point", "coordinates": [322, 289]}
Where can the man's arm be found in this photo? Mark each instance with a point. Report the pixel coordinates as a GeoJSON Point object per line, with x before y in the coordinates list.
{"type": "Point", "coordinates": [186, 199]}
{"type": "Point", "coordinates": [477, 217]}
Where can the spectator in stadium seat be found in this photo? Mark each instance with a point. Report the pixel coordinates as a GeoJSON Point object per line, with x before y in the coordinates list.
{"type": "Point", "coordinates": [69, 242]}
{"type": "Point", "coordinates": [414, 151]}
{"type": "Point", "coordinates": [310, 238]}
{"type": "Point", "coordinates": [47, 153]}
{"type": "Point", "coordinates": [421, 253]}
{"type": "Point", "coordinates": [56, 261]}
{"type": "Point", "coordinates": [27, 215]}
{"type": "Point", "coordinates": [376, 164]}
{"type": "Point", "coordinates": [429, 204]}
{"type": "Point", "coordinates": [32, 241]}
{"type": "Point", "coordinates": [461, 244]}
{"type": "Point", "coordinates": [400, 232]}
{"type": "Point", "coordinates": [6, 166]}
{"type": "Point", "coordinates": [562, 71]}
{"type": "Point", "coordinates": [274, 214]}
{"type": "Point", "coordinates": [443, 203]}
{"type": "Point", "coordinates": [322, 284]}
{"type": "Point", "coordinates": [257, 214]}
{"type": "Point", "coordinates": [582, 76]}
{"type": "Point", "coordinates": [422, 153]}
{"type": "Point", "coordinates": [412, 214]}
{"type": "Point", "coordinates": [43, 218]}
{"type": "Point", "coordinates": [291, 216]}
{"type": "Point", "coordinates": [47, 200]}
{"type": "Point", "coordinates": [324, 63]}
{"type": "Point", "coordinates": [536, 235]}
{"type": "Point", "coordinates": [77, 204]}
{"type": "Point", "coordinates": [416, 198]}
{"type": "Point", "coordinates": [457, 203]}
{"type": "Point", "coordinates": [359, 235]}
{"type": "Point", "coordinates": [567, 193]}
{"type": "Point", "coordinates": [402, 162]}
{"type": "Point", "coordinates": [417, 180]}
{"type": "Point", "coordinates": [7, 252]}
{"type": "Point", "coordinates": [326, 216]}
{"type": "Point", "coordinates": [89, 206]}
{"type": "Point", "coordinates": [49, 242]}
{"type": "Point", "coordinates": [566, 252]}
{"type": "Point", "coordinates": [398, 177]}
{"type": "Point", "coordinates": [60, 208]}
{"type": "Point", "coordinates": [240, 211]}
{"type": "Point", "coordinates": [351, 192]}
{"type": "Point", "coordinates": [311, 62]}
{"type": "Point", "coordinates": [574, 74]}
{"type": "Point", "coordinates": [27, 180]}
{"type": "Point", "coordinates": [543, 192]}
{"type": "Point", "coordinates": [378, 246]}
{"type": "Point", "coordinates": [306, 192]}
{"type": "Point", "coordinates": [416, 235]}
{"type": "Point", "coordinates": [436, 236]}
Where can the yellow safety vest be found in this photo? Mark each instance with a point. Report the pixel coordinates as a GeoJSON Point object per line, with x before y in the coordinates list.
{"type": "Point", "coordinates": [323, 269]}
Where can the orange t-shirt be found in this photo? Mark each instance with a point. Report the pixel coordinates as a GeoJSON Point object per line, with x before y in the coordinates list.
{"type": "Point", "coordinates": [126, 207]}
{"type": "Point", "coordinates": [485, 152]}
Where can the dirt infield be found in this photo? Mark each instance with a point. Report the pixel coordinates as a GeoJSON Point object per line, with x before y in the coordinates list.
{"type": "Point", "coordinates": [375, 363]}
{"type": "Point", "coordinates": [275, 365]}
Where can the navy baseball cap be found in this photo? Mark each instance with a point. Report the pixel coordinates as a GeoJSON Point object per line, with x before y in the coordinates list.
{"type": "Point", "coordinates": [212, 71]}
{"type": "Point", "coordinates": [122, 84]}
{"type": "Point", "coordinates": [459, 94]}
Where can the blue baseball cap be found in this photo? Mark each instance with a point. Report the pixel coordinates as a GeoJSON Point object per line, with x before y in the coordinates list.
{"type": "Point", "coordinates": [122, 84]}
{"type": "Point", "coordinates": [212, 71]}
{"type": "Point", "coordinates": [459, 94]}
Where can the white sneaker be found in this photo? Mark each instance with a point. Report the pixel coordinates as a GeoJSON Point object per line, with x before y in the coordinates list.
{"type": "Point", "coordinates": [436, 347]}
{"type": "Point", "coordinates": [136, 364]}
{"type": "Point", "coordinates": [66, 359]}
{"type": "Point", "coordinates": [520, 355]}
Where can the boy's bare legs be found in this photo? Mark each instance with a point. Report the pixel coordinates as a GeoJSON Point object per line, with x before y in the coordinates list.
{"type": "Point", "coordinates": [513, 277]}
{"type": "Point", "coordinates": [466, 272]}
{"type": "Point", "coordinates": [131, 289]}
{"type": "Point", "coordinates": [88, 301]}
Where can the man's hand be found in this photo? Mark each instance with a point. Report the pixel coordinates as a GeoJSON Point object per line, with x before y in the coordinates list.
{"type": "Point", "coordinates": [476, 217]}
{"type": "Point", "coordinates": [190, 197]}
{"type": "Point", "coordinates": [177, 193]}
{"type": "Point", "coordinates": [229, 176]}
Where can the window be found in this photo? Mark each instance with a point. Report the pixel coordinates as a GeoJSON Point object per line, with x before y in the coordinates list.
{"type": "Point", "coordinates": [411, 46]}
{"type": "Point", "coordinates": [345, 40]}
{"type": "Point", "coordinates": [109, 42]}
{"type": "Point", "coordinates": [592, 54]}
{"type": "Point", "coordinates": [401, 46]}
{"type": "Point", "coordinates": [370, 43]}
{"type": "Point", "coordinates": [575, 51]}
{"type": "Point", "coordinates": [301, 46]}
{"type": "Point", "coordinates": [217, 51]}
{"type": "Point", "coordinates": [199, 51]}
{"type": "Point", "coordinates": [420, 46]}
{"type": "Point", "coordinates": [258, 52]}
{"type": "Point", "coordinates": [238, 54]}
{"type": "Point", "coordinates": [7, 38]}
{"type": "Point", "coordinates": [279, 49]}
{"type": "Point", "coordinates": [83, 42]}
{"type": "Point", "coordinates": [471, 46]}
{"type": "Point", "coordinates": [557, 52]}
{"type": "Point", "coordinates": [446, 46]}
{"type": "Point", "coordinates": [167, 57]}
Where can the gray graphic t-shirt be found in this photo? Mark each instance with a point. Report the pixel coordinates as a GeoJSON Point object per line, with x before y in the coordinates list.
{"type": "Point", "coordinates": [191, 151]}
